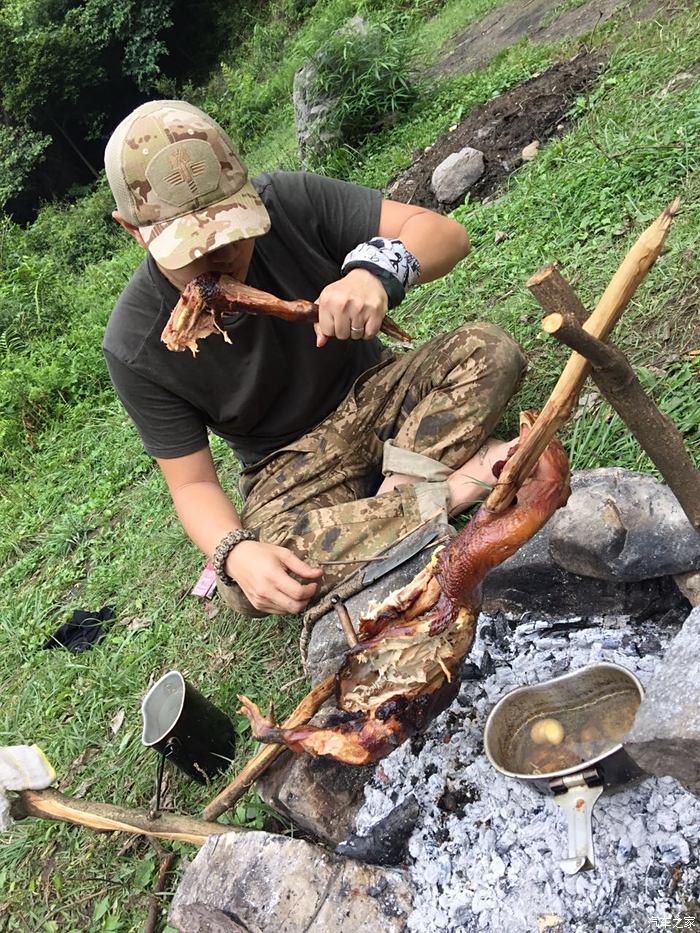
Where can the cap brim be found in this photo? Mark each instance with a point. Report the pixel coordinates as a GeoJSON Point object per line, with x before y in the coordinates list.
{"type": "Point", "coordinates": [178, 242]}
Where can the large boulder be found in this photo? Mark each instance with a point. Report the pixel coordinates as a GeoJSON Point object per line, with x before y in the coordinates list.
{"type": "Point", "coordinates": [313, 113]}
{"type": "Point", "coordinates": [621, 525]}
{"type": "Point", "coordinates": [264, 883]}
{"type": "Point", "coordinates": [665, 736]}
{"type": "Point", "coordinates": [613, 549]}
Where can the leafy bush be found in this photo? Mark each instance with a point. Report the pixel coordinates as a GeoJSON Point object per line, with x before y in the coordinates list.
{"type": "Point", "coordinates": [362, 71]}
{"type": "Point", "coordinates": [20, 150]}
{"type": "Point", "coordinates": [78, 234]}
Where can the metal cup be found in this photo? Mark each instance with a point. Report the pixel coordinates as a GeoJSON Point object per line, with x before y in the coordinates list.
{"type": "Point", "coordinates": [577, 788]}
{"type": "Point", "coordinates": [186, 728]}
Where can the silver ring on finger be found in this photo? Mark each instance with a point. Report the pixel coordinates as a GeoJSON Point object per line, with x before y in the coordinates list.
{"type": "Point", "coordinates": [357, 333]}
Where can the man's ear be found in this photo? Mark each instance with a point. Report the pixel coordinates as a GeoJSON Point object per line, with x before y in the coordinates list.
{"type": "Point", "coordinates": [130, 229]}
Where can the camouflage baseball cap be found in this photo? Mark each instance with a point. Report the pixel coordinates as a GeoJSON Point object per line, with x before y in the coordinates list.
{"type": "Point", "coordinates": [175, 175]}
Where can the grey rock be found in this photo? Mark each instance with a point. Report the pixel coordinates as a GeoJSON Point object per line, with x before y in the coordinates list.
{"type": "Point", "coordinates": [319, 795]}
{"type": "Point", "coordinates": [267, 882]}
{"type": "Point", "coordinates": [531, 580]}
{"type": "Point", "coordinates": [621, 525]}
{"type": "Point", "coordinates": [455, 175]}
{"type": "Point", "coordinates": [689, 585]}
{"type": "Point", "coordinates": [665, 736]}
{"type": "Point", "coordinates": [198, 918]}
{"type": "Point", "coordinates": [313, 115]}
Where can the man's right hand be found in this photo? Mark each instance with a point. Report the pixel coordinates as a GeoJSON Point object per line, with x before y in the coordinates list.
{"type": "Point", "coordinates": [263, 573]}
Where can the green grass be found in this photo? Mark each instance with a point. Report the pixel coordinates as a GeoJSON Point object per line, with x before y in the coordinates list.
{"type": "Point", "coordinates": [85, 519]}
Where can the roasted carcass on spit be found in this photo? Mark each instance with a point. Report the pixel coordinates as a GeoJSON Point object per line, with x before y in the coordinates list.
{"type": "Point", "coordinates": [404, 669]}
{"type": "Point", "coordinates": [209, 298]}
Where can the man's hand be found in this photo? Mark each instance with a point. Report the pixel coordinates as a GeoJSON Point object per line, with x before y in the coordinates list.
{"type": "Point", "coordinates": [351, 308]}
{"type": "Point", "coordinates": [263, 573]}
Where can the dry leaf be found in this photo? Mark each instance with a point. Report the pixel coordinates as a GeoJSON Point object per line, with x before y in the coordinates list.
{"type": "Point", "coordinates": [211, 610]}
{"type": "Point", "coordinates": [84, 787]}
{"type": "Point", "coordinates": [586, 402]}
{"type": "Point", "coordinates": [116, 722]}
{"type": "Point", "coordinates": [136, 624]}
{"type": "Point", "coordinates": [500, 236]}
{"type": "Point", "coordinates": [85, 757]}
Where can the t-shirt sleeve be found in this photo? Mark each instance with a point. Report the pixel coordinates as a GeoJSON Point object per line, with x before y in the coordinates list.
{"type": "Point", "coordinates": [169, 426]}
{"type": "Point", "coordinates": [342, 214]}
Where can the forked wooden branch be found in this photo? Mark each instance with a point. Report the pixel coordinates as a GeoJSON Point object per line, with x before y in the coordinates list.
{"type": "Point", "coordinates": [53, 805]}
{"type": "Point", "coordinates": [613, 302]}
{"type": "Point", "coordinates": [655, 432]}
{"type": "Point", "coordinates": [552, 291]}
{"type": "Point", "coordinates": [556, 411]}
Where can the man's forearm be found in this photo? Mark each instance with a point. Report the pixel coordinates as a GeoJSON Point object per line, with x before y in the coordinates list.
{"type": "Point", "coordinates": [206, 513]}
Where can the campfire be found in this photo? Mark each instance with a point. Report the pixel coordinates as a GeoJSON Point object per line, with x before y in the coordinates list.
{"type": "Point", "coordinates": [484, 852]}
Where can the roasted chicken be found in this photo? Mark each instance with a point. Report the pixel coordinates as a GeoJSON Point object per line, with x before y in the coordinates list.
{"type": "Point", "coordinates": [212, 296]}
{"type": "Point", "coordinates": [405, 668]}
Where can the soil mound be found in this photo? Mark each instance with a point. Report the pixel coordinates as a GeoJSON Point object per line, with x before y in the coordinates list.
{"type": "Point", "coordinates": [501, 128]}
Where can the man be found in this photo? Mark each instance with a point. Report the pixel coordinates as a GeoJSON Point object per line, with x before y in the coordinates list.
{"type": "Point", "coordinates": [315, 415]}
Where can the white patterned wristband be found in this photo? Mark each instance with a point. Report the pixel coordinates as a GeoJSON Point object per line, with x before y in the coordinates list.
{"type": "Point", "coordinates": [388, 255]}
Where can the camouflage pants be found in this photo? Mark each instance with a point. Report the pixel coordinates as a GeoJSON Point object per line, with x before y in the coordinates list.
{"type": "Point", "coordinates": [424, 414]}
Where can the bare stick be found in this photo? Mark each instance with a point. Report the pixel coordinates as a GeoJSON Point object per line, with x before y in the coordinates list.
{"type": "Point", "coordinates": [345, 620]}
{"type": "Point", "coordinates": [257, 765]}
{"type": "Point", "coordinates": [165, 862]}
{"type": "Point", "coordinates": [53, 805]}
{"type": "Point", "coordinates": [656, 433]}
{"type": "Point", "coordinates": [561, 401]}
{"type": "Point", "coordinates": [552, 291]}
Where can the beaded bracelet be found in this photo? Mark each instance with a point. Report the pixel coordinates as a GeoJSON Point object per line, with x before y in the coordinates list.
{"type": "Point", "coordinates": [224, 548]}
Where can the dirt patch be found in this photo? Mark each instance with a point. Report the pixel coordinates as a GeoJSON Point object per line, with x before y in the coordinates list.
{"type": "Point", "coordinates": [536, 19]}
{"type": "Point", "coordinates": [501, 128]}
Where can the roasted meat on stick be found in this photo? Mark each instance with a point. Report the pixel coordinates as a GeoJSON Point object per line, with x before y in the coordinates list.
{"type": "Point", "coordinates": [404, 669]}
{"type": "Point", "coordinates": [209, 298]}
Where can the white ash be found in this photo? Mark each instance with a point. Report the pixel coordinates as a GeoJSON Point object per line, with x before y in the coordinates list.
{"type": "Point", "coordinates": [485, 853]}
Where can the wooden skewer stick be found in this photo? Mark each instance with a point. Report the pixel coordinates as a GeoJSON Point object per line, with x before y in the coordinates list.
{"type": "Point", "coordinates": [613, 302]}
{"type": "Point", "coordinates": [53, 805]}
{"type": "Point", "coordinates": [345, 620]}
{"type": "Point", "coordinates": [257, 765]}
{"type": "Point", "coordinates": [656, 433]}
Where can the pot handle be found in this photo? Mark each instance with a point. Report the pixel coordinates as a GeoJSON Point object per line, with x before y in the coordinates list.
{"type": "Point", "coordinates": [577, 794]}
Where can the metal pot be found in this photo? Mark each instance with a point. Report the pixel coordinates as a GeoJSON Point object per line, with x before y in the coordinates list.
{"type": "Point", "coordinates": [186, 728]}
{"type": "Point", "coordinates": [594, 690]}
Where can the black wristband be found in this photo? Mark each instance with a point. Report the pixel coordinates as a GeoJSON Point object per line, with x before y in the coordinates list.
{"type": "Point", "coordinates": [224, 548]}
{"type": "Point", "coordinates": [395, 291]}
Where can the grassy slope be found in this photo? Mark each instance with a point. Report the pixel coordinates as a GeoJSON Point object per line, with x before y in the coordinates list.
{"type": "Point", "coordinates": [88, 522]}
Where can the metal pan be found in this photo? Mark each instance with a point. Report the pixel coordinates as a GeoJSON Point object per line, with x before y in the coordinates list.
{"type": "Point", "coordinates": [596, 695]}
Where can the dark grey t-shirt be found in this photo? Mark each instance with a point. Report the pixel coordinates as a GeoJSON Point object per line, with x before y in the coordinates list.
{"type": "Point", "coordinates": [271, 384]}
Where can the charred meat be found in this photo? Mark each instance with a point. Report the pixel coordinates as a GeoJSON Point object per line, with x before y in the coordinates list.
{"type": "Point", "coordinates": [404, 669]}
{"type": "Point", "coordinates": [213, 296]}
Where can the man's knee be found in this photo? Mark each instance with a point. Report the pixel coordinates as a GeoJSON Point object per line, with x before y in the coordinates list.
{"type": "Point", "coordinates": [234, 598]}
{"type": "Point", "coordinates": [502, 356]}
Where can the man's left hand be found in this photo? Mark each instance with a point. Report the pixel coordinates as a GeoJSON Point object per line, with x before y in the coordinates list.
{"type": "Point", "coordinates": [352, 308]}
